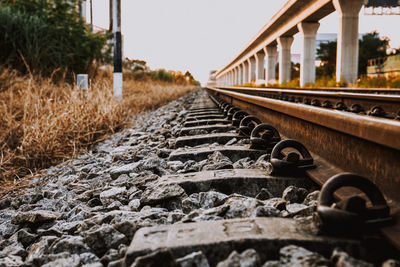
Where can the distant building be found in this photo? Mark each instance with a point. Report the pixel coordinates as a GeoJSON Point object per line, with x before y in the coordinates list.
{"type": "Point", "coordinates": [384, 67]}
{"type": "Point", "coordinates": [211, 79]}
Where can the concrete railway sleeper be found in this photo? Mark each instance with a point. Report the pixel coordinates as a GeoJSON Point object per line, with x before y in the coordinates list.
{"type": "Point", "coordinates": [256, 202]}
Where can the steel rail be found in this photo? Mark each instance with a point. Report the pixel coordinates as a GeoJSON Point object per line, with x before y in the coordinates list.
{"type": "Point", "coordinates": [338, 141]}
{"type": "Point", "coordinates": [390, 103]}
{"type": "Point", "coordinates": [394, 91]}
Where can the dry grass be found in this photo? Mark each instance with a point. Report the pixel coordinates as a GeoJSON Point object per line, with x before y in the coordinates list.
{"type": "Point", "coordinates": [43, 123]}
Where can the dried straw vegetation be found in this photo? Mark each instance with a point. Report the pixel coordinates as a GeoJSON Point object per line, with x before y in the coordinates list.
{"type": "Point", "coordinates": [42, 123]}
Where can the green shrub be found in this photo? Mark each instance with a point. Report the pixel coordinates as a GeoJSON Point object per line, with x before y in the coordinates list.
{"type": "Point", "coordinates": [162, 75]}
{"type": "Point", "coordinates": [394, 82]}
{"type": "Point", "coordinates": [46, 36]}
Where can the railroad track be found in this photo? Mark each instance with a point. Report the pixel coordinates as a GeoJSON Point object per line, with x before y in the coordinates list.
{"type": "Point", "coordinates": [277, 155]}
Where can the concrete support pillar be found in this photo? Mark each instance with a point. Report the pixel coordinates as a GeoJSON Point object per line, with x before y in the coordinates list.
{"type": "Point", "coordinates": [245, 72]}
{"type": "Point", "coordinates": [235, 75]}
{"type": "Point", "coordinates": [284, 58]}
{"type": "Point", "coordinates": [252, 69]}
{"type": "Point", "coordinates": [347, 48]}
{"type": "Point", "coordinates": [270, 52]}
{"type": "Point", "coordinates": [260, 72]}
{"type": "Point", "coordinates": [240, 75]}
{"type": "Point", "coordinates": [307, 57]}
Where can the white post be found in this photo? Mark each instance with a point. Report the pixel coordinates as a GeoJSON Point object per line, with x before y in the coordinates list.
{"type": "Point", "coordinates": [284, 59]}
{"type": "Point", "coordinates": [347, 44]}
{"type": "Point", "coordinates": [307, 57]}
{"type": "Point", "coordinates": [117, 82]}
{"type": "Point", "coordinates": [270, 52]}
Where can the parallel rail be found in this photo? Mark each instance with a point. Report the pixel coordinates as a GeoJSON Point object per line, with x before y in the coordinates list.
{"type": "Point", "coordinates": [339, 140]}
{"type": "Point", "coordinates": [353, 100]}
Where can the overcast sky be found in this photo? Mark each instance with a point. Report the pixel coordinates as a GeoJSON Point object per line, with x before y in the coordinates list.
{"type": "Point", "coordinates": [204, 35]}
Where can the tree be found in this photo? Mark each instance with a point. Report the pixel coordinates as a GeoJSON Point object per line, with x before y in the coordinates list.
{"type": "Point", "coordinates": [46, 36]}
{"type": "Point", "coordinates": [370, 46]}
{"type": "Point", "coordinates": [327, 54]}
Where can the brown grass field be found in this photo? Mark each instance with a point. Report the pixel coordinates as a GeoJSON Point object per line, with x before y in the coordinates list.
{"type": "Point", "coordinates": [43, 123]}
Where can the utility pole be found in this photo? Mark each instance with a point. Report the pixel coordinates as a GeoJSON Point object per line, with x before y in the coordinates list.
{"type": "Point", "coordinates": [116, 21]}
{"type": "Point", "coordinates": [91, 15]}
{"type": "Point", "coordinates": [82, 9]}
{"type": "Point", "coordinates": [110, 27]}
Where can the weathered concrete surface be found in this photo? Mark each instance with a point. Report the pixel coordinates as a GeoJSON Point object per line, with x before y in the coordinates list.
{"type": "Point", "coordinates": [216, 239]}
{"type": "Point", "coordinates": [207, 128]}
{"type": "Point", "coordinates": [248, 182]}
{"type": "Point", "coordinates": [206, 122]}
{"type": "Point", "coordinates": [234, 153]}
{"type": "Point", "coordinates": [195, 140]}
{"type": "Point", "coordinates": [203, 112]}
{"type": "Point", "coordinates": [204, 117]}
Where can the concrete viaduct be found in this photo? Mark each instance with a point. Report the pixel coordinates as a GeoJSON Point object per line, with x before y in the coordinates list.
{"type": "Point", "coordinates": [296, 16]}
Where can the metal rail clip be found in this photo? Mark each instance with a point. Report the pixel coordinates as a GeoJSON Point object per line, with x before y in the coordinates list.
{"type": "Point", "coordinates": [351, 216]}
{"type": "Point", "coordinates": [291, 163]}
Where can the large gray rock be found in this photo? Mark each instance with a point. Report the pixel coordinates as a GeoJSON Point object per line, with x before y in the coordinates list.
{"type": "Point", "coordinates": [217, 161]}
{"type": "Point", "coordinates": [7, 229]}
{"type": "Point", "coordinates": [294, 194]}
{"type": "Point", "coordinates": [241, 206]}
{"type": "Point", "coordinates": [211, 199]}
{"type": "Point", "coordinates": [265, 211]}
{"type": "Point", "coordinates": [340, 258]}
{"type": "Point", "coordinates": [244, 163]}
{"type": "Point", "coordinates": [299, 209]}
{"type": "Point", "coordinates": [297, 256]}
{"type": "Point", "coordinates": [101, 239]}
{"type": "Point", "coordinates": [113, 194]}
{"type": "Point", "coordinates": [71, 244]}
{"type": "Point", "coordinates": [40, 248]}
{"type": "Point", "coordinates": [161, 192]}
{"type": "Point", "coordinates": [64, 261]}
{"type": "Point", "coordinates": [195, 259]}
{"type": "Point", "coordinates": [157, 258]}
{"type": "Point", "coordinates": [25, 238]}
{"type": "Point", "coordinates": [391, 263]}
{"type": "Point", "coordinates": [11, 260]}
{"type": "Point", "coordinates": [311, 199]}
{"type": "Point", "coordinates": [115, 172]}
{"type": "Point", "coordinates": [248, 258]}
{"type": "Point", "coordinates": [89, 258]}
{"type": "Point", "coordinates": [33, 217]}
